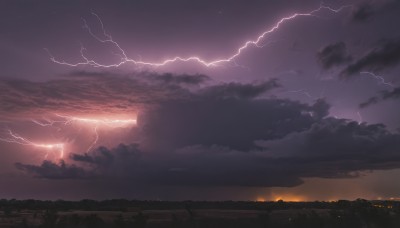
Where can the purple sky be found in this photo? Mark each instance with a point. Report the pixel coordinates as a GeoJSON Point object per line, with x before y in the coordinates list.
{"type": "Point", "coordinates": [307, 112]}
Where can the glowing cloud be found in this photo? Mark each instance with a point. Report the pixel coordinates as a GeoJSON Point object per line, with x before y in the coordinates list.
{"type": "Point", "coordinates": [15, 138]}
{"type": "Point", "coordinates": [113, 123]}
{"type": "Point", "coordinates": [93, 122]}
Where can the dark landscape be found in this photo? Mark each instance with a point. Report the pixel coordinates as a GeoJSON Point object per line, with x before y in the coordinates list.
{"type": "Point", "coordinates": [124, 213]}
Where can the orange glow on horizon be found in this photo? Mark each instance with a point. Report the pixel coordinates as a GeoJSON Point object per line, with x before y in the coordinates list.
{"type": "Point", "coordinates": [283, 197]}
{"type": "Point", "coordinates": [289, 198]}
{"type": "Point", "coordinates": [260, 199]}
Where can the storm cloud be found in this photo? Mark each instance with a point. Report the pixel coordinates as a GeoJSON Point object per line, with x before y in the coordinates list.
{"type": "Point", "coordinates": [51, 170]}
{"type": "Point", "coordinates": [333, 55]}
{"type": "Point", "coordinates": [235, 135]}
{"type": "Point", "coordinates": [208, 95]}
{"type": "Point", "coordinates": [386, 54]}
{"type": "Point", "coordinates": [87, 92]}
{"type": "Point", "coordinates": [330, 148]}
{"type": "Point", "coordinates": [362, 12]}
{"type": "Point", "coordinates": [367, 10]}
{"type": "Point", "coordinates": [384, 95]}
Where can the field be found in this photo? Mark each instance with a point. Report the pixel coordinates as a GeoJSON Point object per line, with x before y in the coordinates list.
{"type": "Point", "coordinates": [156, 214]}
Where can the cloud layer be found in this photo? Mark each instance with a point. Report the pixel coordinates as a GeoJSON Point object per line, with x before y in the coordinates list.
{"type": "Point", "coordinates": [86, 92]}
{"type": "Point", "coordinates": [333, 55]}
{"type": "Point", "coordinates": [386, 54]}
{"type": "Point", "coordinates": [232, 134]}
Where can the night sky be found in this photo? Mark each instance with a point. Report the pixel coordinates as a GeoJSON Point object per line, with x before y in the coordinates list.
{"type": "Point", "coordinates": [200, 100]}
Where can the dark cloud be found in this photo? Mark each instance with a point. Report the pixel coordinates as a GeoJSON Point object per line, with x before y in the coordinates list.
{"type": "Point", "coordinates": [238, 90]}
{"type": "Point", "coordinates": [236, 138]}
{"type": "Point", "coordinates": [385, 95]}
{"type": "Point", "coordinates": [365, 10]}
{"type": "Point", "coordinates": [333, 55]}
{"type": "Point", "coordinates": [186, 166]}
{"type": "Point", "coordinates": [228, 134]}
{"type": "Point", "coordinates": [231, 122]}
{"type": "Point", "coordinates": [110, 161]}
{"type": "Point", "coordinates": [370, 101]}
{"type": "Point", "coordinates": [182, 79]}
{"type": "Point", "coordinates": [394, 94]}
{"type": "Point", "coordinates": [166, 78]}
{"type": "Point", "coordinates": [330, 148]}
{"type": "Point", "coordinates": [346, 138]}
{"type": "Point", "coordinates": [50, 170]}
{"type": "Point", "coordinates": [387, 54]}
{"type": "Point", "coordinates": [336, 147]}
{"type": "Point", "coordinates": [100, 162]}
{"type": "Point", "coordinates": [362, 12]}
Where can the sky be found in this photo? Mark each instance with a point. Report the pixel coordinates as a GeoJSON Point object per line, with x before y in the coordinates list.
{"type": "Point", "coordinates": [200, 100]}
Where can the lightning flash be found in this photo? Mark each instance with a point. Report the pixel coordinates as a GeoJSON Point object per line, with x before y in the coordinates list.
{"type": "Point", "coordinates": [66, 120]}
{"type": "Point", "coordinates": [94, 123]}
{"type": "Point", "coordinates": [113, 123]}
{"type": "Point", "coordinates": [98, 122]}
{"type": "Point", "coordinates": [380, 79]}
{"type": "Point", "coordinates": [207, 63]}
{"type": "Point", "coordinates": [15, 138]}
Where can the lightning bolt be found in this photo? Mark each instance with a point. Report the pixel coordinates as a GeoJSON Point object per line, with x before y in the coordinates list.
{"type": "Point", "coordinates": [125, 59]}
{"type": "Point", "coordinates": [113, 123]}
{"type": "Point", "coordinates": [66, 120]}
{"type": "Point", "coordinates": [95, 139]}
{"type": "Point", "coordinates": [15, 138]}
{"type": "Point", "coordinates": [46, 122]}
{"type": "Point", "coordinates": [93, 122]}
{"type": "Point", "coordinates": [380, 79]}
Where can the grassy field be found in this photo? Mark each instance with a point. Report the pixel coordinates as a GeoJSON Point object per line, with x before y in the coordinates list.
{"type": "Point", "coordinates": [199, 214]}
